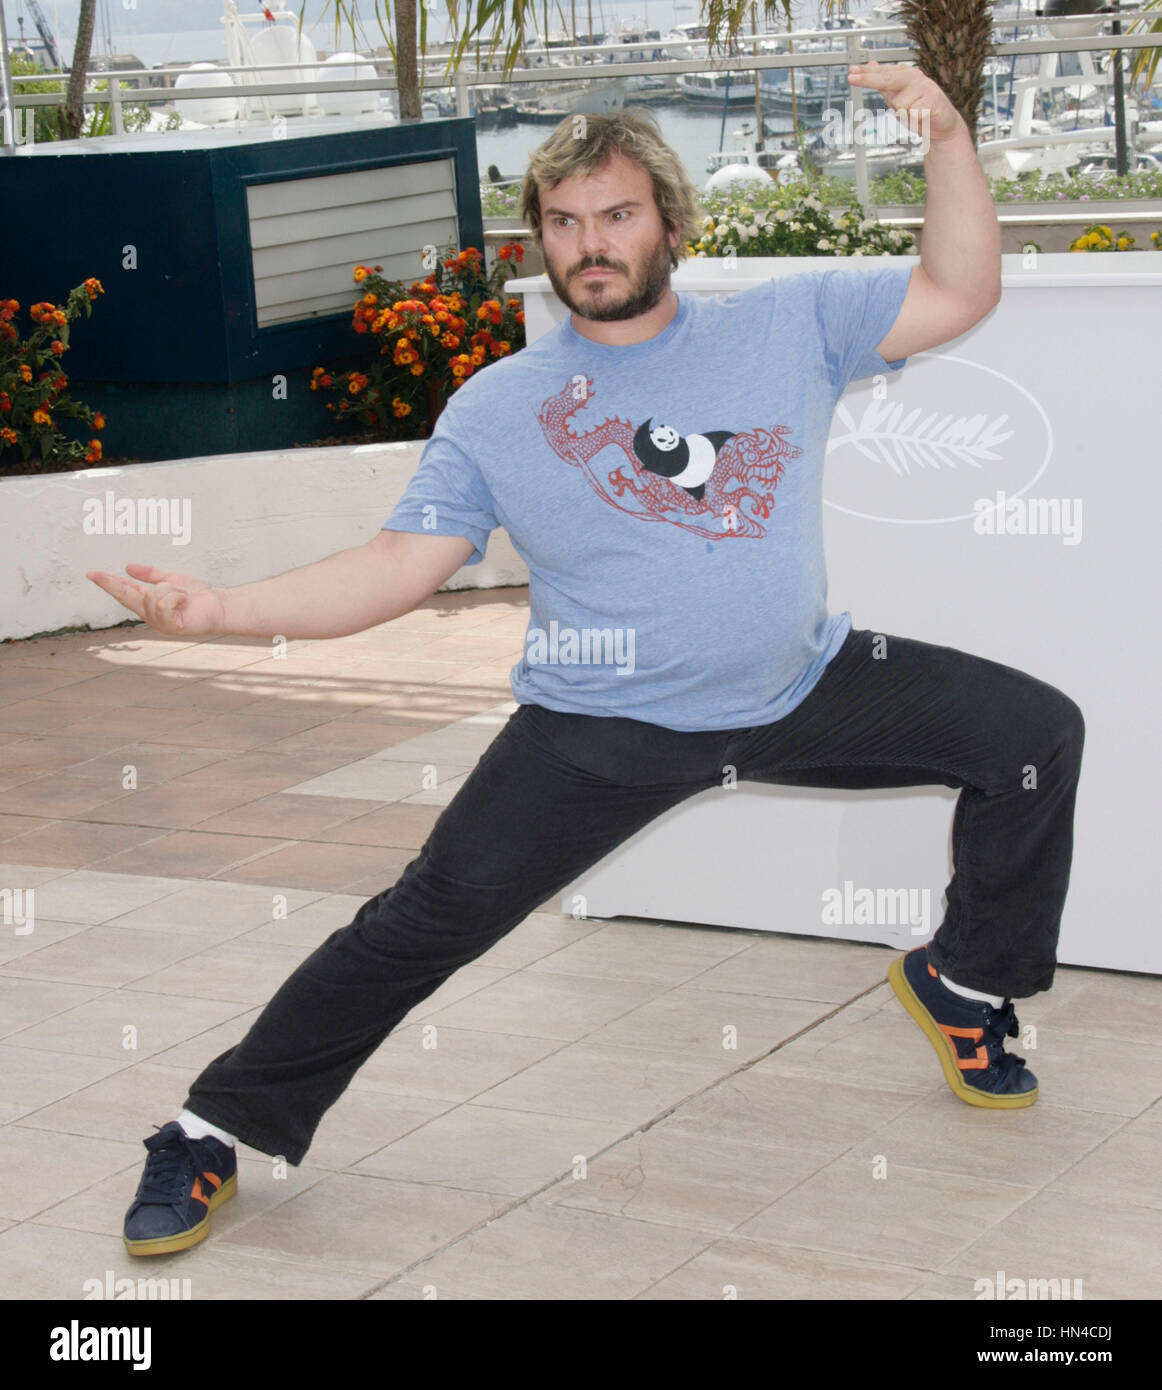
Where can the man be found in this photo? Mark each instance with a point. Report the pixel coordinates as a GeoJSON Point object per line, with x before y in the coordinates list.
{"type": "Point", "coordinates": [657, 460]}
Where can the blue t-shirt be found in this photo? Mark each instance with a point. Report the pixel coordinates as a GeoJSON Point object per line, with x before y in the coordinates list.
{"type": "Point", "coordinates": [667, 497]}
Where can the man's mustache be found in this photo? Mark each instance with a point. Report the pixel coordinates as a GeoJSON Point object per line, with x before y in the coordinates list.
{"type": "Point", "coordinates": [596, 264]}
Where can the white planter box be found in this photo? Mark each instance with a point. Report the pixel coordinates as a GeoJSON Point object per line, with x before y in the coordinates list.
{"type": "Point", "coordinates": [249, 516]}
{"type": "Point", "coordinates": [1064, 369]}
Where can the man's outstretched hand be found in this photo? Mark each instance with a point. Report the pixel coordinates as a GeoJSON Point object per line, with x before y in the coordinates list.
{"type": "Point", "coordinates": [179, 605]}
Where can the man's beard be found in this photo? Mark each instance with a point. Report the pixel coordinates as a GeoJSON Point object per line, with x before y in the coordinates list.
{"type": "Point", "coordinates": [643, 294]}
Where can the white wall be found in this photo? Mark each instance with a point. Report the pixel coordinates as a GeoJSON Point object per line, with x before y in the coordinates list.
{"type": "Point", "coordinates": [249, 516]}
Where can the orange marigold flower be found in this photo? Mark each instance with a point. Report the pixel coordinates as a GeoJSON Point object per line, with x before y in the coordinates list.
{"type": "Point", "coordinates": [57, 346]}
{"type": "Point", "coordinates": [503, 347]}
{"type": "Point", "coordinates": [360, 273]}
{"type": "Point", "coordinates": [512, 303]}
{"type": "Point", "coordinates": [449, 340]}
{"type": "Point", "coordinates": [98, 421]}
{"type": "Point", "coordinates": [520, 316]}
{"type": "Point", "coordinates": [477, 357]}
{"type": "Point", "coordinates": [418, 369]}
{"type": "Point", "coordinates": [94, 453]}
{"type": "Point", "coordinates": [60, 317]}
{"type": "Point", "coordinates": [94, 287]}
{"type": "Point", "coordinates": [8, 435]}
{"type": "Point", "coordinates": [482, 312]}
{"type": "Point", "coordinates": [41, 417]}
{"type": "Point", "coordinates": [400, 408]}
{"type": "Point", "coordinates": [26, 371]}
{"type": "Point", "coordinates": [371, 298]}
{"type": "Point", "coordinates": [518, 252]}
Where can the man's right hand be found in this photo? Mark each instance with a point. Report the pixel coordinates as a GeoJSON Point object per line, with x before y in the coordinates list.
{"type": "Point", "coordinates": [179, 605]}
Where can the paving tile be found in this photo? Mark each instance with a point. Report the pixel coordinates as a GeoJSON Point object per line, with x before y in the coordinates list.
{"type": "Point", "coordinates": [751, 1269]}
{"type": "Point", "coordinates": [540, 935]}
{"type": "Point", "coordinates": [94, 896]}
{"type": "Point", "coordinates": [362, 1122]}
{"type": "Point", "coordinates": [125, 1105]}
{"type": "Point", "coordinates": [709, 1184]}
{"type": "Point", "coordinates": [125, 1025]}
{"type": "Point", "coordinates": [43, 933]}
{"type": "Point", "coordinates": [380, 780]}
{"type": "Point", "coordinates": [311, 865]}
{"type": "Point", "coordinates": [1028, 1147]}
{"type": "Point", "coordinates": [104, 956]}
{"type": "Point", "coordinates": [1111, 1005]}
{"type": "Point", "coordinates": [885, 1212]}
{"type": "Point", "coordinates": [358, 1222]}
{"type": "Point", "coordinates": [1111, 1248]}
{"type": "Point", "coordinates": [629, 950]}
{"type": "Point", "coordinates": [708, 1023]}
{"type": "Point", "coordinates": [216, 909]}
{"type": "Point", "coordinates": [1124, 1168]}
{"type": "Point", "coordinates": [487, 1150]}
{"type": "Point", "coordinates": [310, 925]}
{"type": "Point", "coordinates": [26, 1002]}
{"type": "Point", "coordinates": [780, 1110]}
{"type": "Point", "coordinates": [235, 970]}
{"type": "Point", "coordinates": [285, 814]}
{"type": "Point", "coordinates": [801, 968]}
{"type": "Point", "coordinates": [604, 1083]}
{"type": "Point", "coordinates": [51, 1262]}
{"type": "Point", "coordinates": [77, 844]}
{"type": "Point", "coordinates": [546, 1006]}
{"type": "Point", "coordinates": [186, 853]}
{"type": "Point", "coordinates": [39, 1168]}
{"type": "Point", "coordinates": [560, 1254]}
{"type": "Point", "coordinates": [32, 1077]}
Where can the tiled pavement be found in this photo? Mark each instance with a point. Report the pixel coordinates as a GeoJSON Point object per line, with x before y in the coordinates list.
{"type": "Point", "coordinates": [580, 1131]}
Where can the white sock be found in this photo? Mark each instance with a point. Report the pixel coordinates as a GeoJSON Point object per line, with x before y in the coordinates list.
{"type": "Point", "coordinates": [994, 999]}
{"type": "Point", "coordinates": [197, 1128]}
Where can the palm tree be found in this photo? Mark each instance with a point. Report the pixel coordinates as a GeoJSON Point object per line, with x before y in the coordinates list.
{"type": "Point", "coordinates": [72, 113]}
{"type": "Point", "coordinates": [953, 42]}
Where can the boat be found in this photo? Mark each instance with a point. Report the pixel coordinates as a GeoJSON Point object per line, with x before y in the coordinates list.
{"type": "Point", "coordinates": [561, 99]}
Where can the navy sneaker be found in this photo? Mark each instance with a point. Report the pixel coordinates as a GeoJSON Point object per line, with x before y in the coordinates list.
{"type": "Point", "coordinates": [184, 1180]}
{"type": "Point", "coordinates": [968, 1036]}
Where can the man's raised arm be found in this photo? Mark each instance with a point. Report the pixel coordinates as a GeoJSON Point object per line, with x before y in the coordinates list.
{"type": "Point", "coordinates": [347, 592]}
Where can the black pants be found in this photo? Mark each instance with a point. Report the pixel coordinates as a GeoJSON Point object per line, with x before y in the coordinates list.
{"type": "Point", "coordinates": [554, 793]}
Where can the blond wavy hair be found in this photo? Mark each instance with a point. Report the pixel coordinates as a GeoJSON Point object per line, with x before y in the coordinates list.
{"type": "Point", "coordinates": [583, 143]}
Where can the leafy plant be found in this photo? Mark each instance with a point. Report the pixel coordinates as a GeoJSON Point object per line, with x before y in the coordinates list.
{"type": "Point", "coordinates": [434, 334]}
{"type": "Point", "coordinates": [800, 226]}
{"type": "Point", "coordinates": [33, 388]}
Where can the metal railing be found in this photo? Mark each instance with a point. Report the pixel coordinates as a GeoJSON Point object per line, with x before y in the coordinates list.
{"type": "Point", "coordinates": [855, 48]}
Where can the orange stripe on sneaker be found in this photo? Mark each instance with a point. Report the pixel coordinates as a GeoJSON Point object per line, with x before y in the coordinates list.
{"type": "Point", "coordinates": [981, 1060]}
{"type": "Point", "coordinates": [197, 1193]}
{"type": "Point", "coordinates": [932, 971]}
{"type": "Point", "coordinates": [214, 1178]}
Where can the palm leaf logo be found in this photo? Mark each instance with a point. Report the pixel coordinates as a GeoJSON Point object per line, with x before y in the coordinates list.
{"type": "Point", "coordinates": [886, 435]}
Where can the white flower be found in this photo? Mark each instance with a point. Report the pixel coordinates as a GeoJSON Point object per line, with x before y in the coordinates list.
{"type": "Point", "coordinates": [708, 221]}
{"type": "Point", "coordinates": [842, 239]}
{"type": "Point", "coordinates": [857, 252]}
{"type": "Point", "coordinates": [781, 215]}
{"type": "Point", "coordinates": [769, 228]}
{"type": "Point", "coordinates": [867, 224]}
{"type": "Point", "coordinates": [794, 226]}
{"type": "Point", "coordinates": [824, 244]}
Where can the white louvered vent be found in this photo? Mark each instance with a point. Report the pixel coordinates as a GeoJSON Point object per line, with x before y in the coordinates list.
{"type": "Point", "coordinates": [307, 235]}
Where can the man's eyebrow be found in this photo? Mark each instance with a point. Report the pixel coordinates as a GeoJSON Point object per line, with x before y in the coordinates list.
{"type": "Point", "coordinates": [616, 207]}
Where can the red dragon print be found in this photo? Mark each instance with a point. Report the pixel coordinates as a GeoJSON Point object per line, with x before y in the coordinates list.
{"type": "Point", "coordinates": [738, 494]}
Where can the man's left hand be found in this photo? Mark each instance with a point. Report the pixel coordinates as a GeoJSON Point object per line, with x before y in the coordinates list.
{"type": "Point", "coordinates": [909, 93]}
